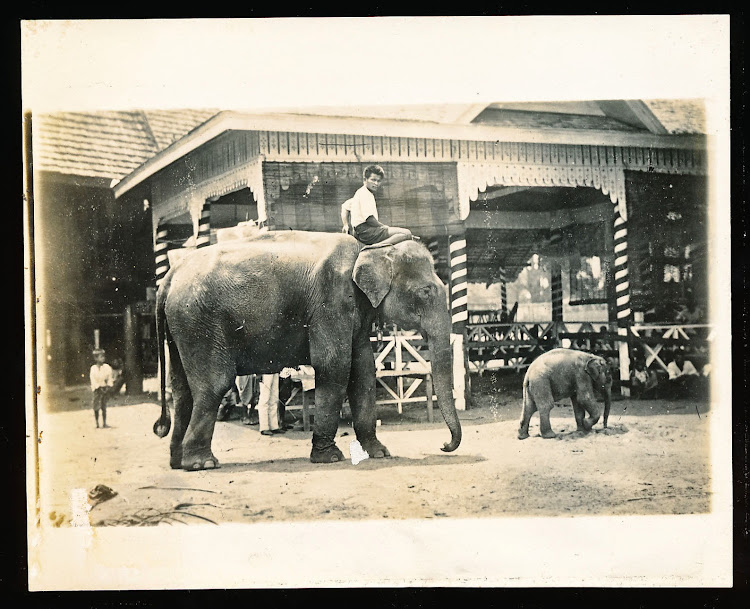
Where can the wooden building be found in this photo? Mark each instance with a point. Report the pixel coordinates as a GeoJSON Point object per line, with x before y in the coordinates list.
{"type": "Point", "coordinates": [91, 253]}
{"type": "Point", "coordinates": [484, 186]}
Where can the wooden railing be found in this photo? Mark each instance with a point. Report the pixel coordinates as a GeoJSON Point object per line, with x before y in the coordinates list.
{"type": "Point", "coordinates": [402, 365]}
{"type": "Point", "coordinates": [515, 344]}
{"type": "Point", "coordinates": [518, 344]}
{"type": "Point", "coordinates": [401, 368]}
{"type": "Point", "coordinates": [656, 339]}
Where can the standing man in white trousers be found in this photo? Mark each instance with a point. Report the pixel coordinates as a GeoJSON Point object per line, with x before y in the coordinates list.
{"type": "Point", "coordinates": [268, 405]}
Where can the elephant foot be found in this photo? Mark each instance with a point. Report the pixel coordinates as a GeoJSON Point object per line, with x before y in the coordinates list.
{"type": "Point", "coordinates": [589, 425]}
{"type": "Point", "coordinates": [200, 463]}
{"type": "Point", "coordinates": [522, 435]}
{"type": "Point", "coordinates": [326, 455]}
{"type": "Point", "coordinates": [549, 435]}
{"type": "Point", "coordinates": [375, 449]}
{"type": "Point", "coordinates": [175, 459]}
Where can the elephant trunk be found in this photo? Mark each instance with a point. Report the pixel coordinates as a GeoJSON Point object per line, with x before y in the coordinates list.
{"type": "Point", "coordinates": [607, 404]}
{"type": "Point", "coordinates": [442, 379]}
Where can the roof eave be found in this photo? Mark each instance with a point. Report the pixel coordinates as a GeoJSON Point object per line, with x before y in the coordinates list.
{"type": "Point", "coordinates": [230, 120]}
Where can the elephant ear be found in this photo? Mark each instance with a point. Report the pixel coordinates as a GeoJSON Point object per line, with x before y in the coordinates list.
{"type": "Point", "coordinates": [373, 273]}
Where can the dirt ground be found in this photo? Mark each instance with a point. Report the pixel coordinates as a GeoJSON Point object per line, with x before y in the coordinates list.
{"type": "Point", "coordinates": [653, 459]}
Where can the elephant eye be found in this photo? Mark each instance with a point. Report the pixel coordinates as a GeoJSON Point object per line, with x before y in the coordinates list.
{"type": "Point", "coordinates": [425, 293]}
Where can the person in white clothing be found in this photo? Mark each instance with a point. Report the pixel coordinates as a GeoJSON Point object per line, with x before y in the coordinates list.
{"type": "Point", "coordinates": [364, 213]}
{"type": "Point", "coordinates": [683, 377]}
{"type": "Point", "coordinates": [102, 380]}
{"type": "Point", "coordinates": [268, 405]}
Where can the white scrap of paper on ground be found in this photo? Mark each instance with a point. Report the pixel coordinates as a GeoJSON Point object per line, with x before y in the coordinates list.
{"type": "Point", "coordinates": [357, 452]}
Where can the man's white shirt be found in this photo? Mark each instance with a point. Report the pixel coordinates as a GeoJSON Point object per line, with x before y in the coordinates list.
{"type": "Point", "coordinates": [363, 206]}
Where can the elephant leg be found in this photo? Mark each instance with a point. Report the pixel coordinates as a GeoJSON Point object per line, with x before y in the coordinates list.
{"type": "Point", "coordinates": [361, 393]}
{"type": "Point", "coordinates": [331, 379]}
{"type": "Point", "coordinates": [529, 408]}
{"type": "Point", "coordinates": [329, 396]}
{"type": "Point", "coordinates": [182, 401]}
{"type": "Point", "coordinates": [579, 413]}
{"type": "Point", "coordinates": [592, 408]}
{"type": "Point", "coordinates": [207, 390]}
{"type": "Point", "coordinates": [542, 396]}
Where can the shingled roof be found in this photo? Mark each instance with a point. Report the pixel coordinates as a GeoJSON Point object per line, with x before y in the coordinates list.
{"type": "Point", "coordinates": [107, 144]}
{"type": "Point", "coordinates": [112, 144]}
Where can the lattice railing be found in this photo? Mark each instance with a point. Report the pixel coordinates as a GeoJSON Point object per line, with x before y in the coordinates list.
{"type": "Point", "coordinates": [401, 367]}
{"type": "Point", "coordinates": [517, 344]}
{"type": "Point", "coordinates": [656, 339]}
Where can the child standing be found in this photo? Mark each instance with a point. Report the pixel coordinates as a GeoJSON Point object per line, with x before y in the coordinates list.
{"type": "Point", "coordinates": [364, 213]}
{"type": "Point", "coordinates": [102, 380]}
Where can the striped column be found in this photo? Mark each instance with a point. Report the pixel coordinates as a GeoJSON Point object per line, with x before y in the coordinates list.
{"type": "Point", "coordinates": [161, 249]}
{"type": "Point", "coordinates": [459, 305]}
{"type": "Point", "coordinates": [203, 238]}
{"type": "Point", "coordinates": [557, 291]}
{"type": "Point", "coordinates": [622, 285]}
{"type": "Point", "coordinates": [504, 299]}
{"type": "Point", "coordinates": [458, 282]}
{"type": "Point", "coordinates": [622, 296]}
{"type": "Point", "coordinates": [555, 240]}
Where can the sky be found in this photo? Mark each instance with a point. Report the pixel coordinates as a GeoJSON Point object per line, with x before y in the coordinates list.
{"type": "Point", "coordinates": [258, 64]}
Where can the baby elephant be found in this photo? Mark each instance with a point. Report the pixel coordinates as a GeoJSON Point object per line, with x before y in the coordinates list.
{"type": "Point", "coordinates": [565, 373]}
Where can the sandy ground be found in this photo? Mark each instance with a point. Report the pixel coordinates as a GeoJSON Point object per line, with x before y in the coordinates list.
{"type": "Point", "coordinates": [653, 459]}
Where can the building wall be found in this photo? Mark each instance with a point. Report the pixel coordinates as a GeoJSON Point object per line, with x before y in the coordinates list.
{"type": "Point", "coordinates": [308, 196]}
{"type": "Point", "coordinates": [92, 257]}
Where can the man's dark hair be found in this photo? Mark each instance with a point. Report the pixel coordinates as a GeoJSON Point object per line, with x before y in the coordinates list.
{"type": "Point", "coordinates": [373, 169]}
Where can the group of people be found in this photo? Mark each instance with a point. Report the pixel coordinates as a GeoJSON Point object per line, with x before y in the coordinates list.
{"type": "Point", "coordinates": [261, 400]}
{"type": "Point", "coordinates": [681, 380]}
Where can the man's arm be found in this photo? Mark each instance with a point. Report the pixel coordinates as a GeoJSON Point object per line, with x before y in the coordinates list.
{"type": "Point", "coordinates": [345, 218]}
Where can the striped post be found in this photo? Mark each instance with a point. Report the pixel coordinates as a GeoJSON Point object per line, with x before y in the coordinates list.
{"type": "Point", "coordinates": [161, 249]}
{"type": "Point", "coordinates": [203, 238]}
{"type": "Point", "coordinates": [557, 291]}
{"type": "Point", "coordinates": [622, 297]}
{"type": "Point", "coordinates": [459, 305]}
{"type": "Point", "coordinates": [504, 299]}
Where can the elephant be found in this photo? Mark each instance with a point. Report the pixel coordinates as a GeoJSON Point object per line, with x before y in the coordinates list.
{"type": "Point", "coordinates": [286, 298]}
{"type": "Point", "coordinates": [565, 373]}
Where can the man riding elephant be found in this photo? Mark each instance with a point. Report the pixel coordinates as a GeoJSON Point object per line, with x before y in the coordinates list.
{"type": "Point", "coordinates": [290, 298]}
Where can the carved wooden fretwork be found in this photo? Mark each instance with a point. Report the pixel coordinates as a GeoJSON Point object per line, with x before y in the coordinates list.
{"type": "Point", "coordinates": [234, 161]}
{"type": "Point", "coordinates": [603, 169]}
{"type": "Point", "coordinates": [193, 195]}
{"type": "Point", "coordinates": [286, 146]}
{"type": "Point", "coordinates": [476, 177]}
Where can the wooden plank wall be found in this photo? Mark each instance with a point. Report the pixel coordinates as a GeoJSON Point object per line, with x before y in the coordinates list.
{"type": "Point", "coordinates": [308, 196]}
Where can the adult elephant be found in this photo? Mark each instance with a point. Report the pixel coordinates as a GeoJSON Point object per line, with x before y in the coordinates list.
{"type": "Point", "coordinates": [565, 373]}
{"type": "Point", "coordinates": [282, 299]}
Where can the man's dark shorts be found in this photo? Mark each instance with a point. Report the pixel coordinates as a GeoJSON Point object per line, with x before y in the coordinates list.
{"type": "Point", "coordinates": [100, 398]}
{"type": "Point", "coordinates": [369, 234]}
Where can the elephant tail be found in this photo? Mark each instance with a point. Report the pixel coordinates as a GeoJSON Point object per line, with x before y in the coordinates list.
{"type": "Point", "coordinates": [164, 422]}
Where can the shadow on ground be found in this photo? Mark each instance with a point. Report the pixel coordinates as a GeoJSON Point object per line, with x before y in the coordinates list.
{"type": "Point", "coordinates": [302, 464]}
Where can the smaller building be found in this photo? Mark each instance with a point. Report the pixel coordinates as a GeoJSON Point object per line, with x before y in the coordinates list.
{"type": "Point", "coordinates": [92, 253]}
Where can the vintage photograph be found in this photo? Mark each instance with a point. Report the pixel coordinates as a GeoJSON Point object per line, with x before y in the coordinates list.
{"type": "Point", "coordinates": [334, 337]}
